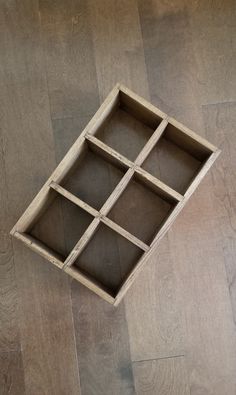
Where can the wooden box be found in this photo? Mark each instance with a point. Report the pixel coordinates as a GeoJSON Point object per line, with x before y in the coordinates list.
{"type": "Point", "coordinates": [153, 164]}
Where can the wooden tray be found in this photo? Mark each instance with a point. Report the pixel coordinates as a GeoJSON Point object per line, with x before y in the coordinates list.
{"type": "Point", "coordinates": [122, 183]}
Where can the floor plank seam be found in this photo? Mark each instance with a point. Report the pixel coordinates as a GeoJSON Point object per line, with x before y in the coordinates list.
{"type": "Point", "coordinates": [74, 338]}
{"type": "Point", "coordinates": [159, 359]}
{"type": "Point", "coordinates": [220, 102]}
{"type": "Point", "coordinates": [77, 116]}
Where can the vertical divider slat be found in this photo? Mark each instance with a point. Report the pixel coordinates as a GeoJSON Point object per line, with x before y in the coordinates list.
{"type": "Point", "coordinates": [151, 142]}
{"type": "Point", "coordinates": [117, 192]}
{"type": "Point", "coordinates": [81, 244]}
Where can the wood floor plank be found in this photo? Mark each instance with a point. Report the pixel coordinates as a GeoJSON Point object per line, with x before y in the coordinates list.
{"type": "Point", "coordinates": [101, 331]}
{"type": "Point", "coordinates": [210, 335]}
{"type": "Point", "coordinates": [103, 345]}
{"type": "Point", "coordinates": [44, 294]}
{"type": "Point", "coordinates": [11, 373]}
{"type": "Point", "coordinates": [214, 49]}
{"type": "Point", "coordinates": [166, 33]}
{"type": "Point", "coordinates": [70, 68]}
{"type": "Point", "coordinates": [195, 240]}
{"type": "Point", "coordinates": [166, 376]}
{"type": "Point", "coordinates": [9, 325]}
{"type": "Point", "coordinates": [219, 122]}
{"type": "Point", "coordinates": [154, 332]}
{"type": "Point", "coordinates": [119, 54]}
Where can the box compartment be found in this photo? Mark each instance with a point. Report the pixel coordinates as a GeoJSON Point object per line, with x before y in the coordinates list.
{"type": "Point", "coordinates": [108, 258]}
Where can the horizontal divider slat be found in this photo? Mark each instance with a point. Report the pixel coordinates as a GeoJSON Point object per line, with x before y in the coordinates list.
{"type": "Point", "coordinates": [108, 152]}
{"type": "Point", "coordinates": [40, 248]}
{"type": "Point", "coordinates": [74, 199]}
{"type": "Point", "coordinates": [158, 185]}
{"type": "Point", "coordinates": [151, 142]}
{"type": "Point", "coordinates": [117, 228]}
{"type": "Point", "coordinates": [90, 283]}
{"type": "Point", "coordinates": [81, 244]}
{"type": "Point", "coordinates": [117, 192]}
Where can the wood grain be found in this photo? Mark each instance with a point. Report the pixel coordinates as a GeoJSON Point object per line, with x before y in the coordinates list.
{"type": "Point", "coordinates": [9, 328]}
{"type": "Point", "coordinates": [199, 260]}
{"type": "Point", "coordinates": [214, 50]}
{"type": "Point", "coordinates": [166, 376]}
{"type": "Point", "coordinates": [44, 310]}
{"type": "Point", "coordinates": [11, 373]}
{"type": "Point", "coordinates": [102, 344]}
{"type": "Point", "coordinates": [219, 122]}
{"type": "Point", "coordinates": [69, 59]}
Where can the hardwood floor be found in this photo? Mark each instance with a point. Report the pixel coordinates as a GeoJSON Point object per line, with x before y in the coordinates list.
{"type": "Point", "coordinates": [174, 333]}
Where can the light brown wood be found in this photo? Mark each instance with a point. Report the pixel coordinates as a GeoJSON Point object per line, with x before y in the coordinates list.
{"type": "Point", "coordinates": [117, 192]}
{"type": "Point", "coordinates": [124, 233]}
{"type": "Point", "coordinates": [83, 241]}
{"type": "Point", "coordinates": [158, 186]}
{"type": "Point", "coordinates": [162, 125]}
{"type": "Point", "coordinates": [151, 143]}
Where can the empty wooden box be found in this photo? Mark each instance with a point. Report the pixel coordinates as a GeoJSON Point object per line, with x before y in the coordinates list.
{"type": "Point", "coordinates": [120, 187]}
